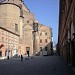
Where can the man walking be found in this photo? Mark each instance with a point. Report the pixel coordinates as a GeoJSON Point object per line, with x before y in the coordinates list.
{"type": "Point", "coordinates": [21, 57]}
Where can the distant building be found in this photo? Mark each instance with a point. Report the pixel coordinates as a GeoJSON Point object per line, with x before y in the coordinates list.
{"type": "Point", "coordinates": [57, 49]}
{"type": "Point", "coordinates": [66, 37]}
{"type": "Point", "coordinates": [20, 32]}
{"type": "Point", "coordinates": [43, 40]}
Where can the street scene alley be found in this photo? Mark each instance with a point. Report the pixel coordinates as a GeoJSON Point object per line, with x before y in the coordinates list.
{"type": "Point", "coordinates": [37, 65]}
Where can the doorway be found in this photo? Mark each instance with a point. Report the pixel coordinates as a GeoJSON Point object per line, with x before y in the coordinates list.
{"type": "Point", "coordinates": [73, 53]}
{"type": "Point", "coordinates": [0, 53]}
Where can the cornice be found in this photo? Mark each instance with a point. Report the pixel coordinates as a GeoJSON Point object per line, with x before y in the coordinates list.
{"type": "Point", "coordinates": [11, 4]}
{"type": "Point", "coordinates": [9, 31]}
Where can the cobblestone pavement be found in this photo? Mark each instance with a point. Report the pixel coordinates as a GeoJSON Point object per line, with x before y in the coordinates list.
{"type": "Point", "coordinates": [40, 65]}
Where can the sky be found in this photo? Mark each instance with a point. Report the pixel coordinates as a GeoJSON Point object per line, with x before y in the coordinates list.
{"type": "Point", "coordinates": [47, 13]}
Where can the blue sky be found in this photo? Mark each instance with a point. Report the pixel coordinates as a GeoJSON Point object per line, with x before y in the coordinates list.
{"type": "Point", "coordinates": [46, 12]}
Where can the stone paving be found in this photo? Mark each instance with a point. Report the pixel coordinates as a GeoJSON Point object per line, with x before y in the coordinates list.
{"type": "Point", "coordinates": [40, 65]}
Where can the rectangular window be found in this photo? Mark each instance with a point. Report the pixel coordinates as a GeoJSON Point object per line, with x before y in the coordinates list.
{"type": "Point", "coordinates": [16, 27]}
{"type": "Point", "coordinates": [41, 34]}
{"type": "Point", "coordinates": [40, 40]}
{"type": "Point", "coordinates": [45, 40]}
{"type": "Point", "coordinates": [6, 33]}
{"type": "Point", "coordinates": [46, 34]}
{"type": "Point", "coordinates": [2, 32]}
{"type": "Point", "coordinates": [3, 39]}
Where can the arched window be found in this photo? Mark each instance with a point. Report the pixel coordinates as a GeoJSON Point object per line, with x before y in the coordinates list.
{"type": "Point", "coordinates": [35, 26]}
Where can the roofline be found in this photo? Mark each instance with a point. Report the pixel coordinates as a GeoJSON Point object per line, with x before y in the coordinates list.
{"type": "Point", "coordinates": [11, 4]}
{"type": "Point", "coordinates": [25, 5]}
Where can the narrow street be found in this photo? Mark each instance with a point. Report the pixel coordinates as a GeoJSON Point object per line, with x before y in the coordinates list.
{"type": "Point", "coordinates": [40, 65]}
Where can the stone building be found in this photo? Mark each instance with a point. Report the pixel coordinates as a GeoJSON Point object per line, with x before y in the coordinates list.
{"type": "Point", "coordinates": [30, 35]}
{"type": "Point", "coordinates": [9, 27]}
{"type": "Point", "coordinates": [45, 39]}
{"type": "Point", "coordinates": [20, 32]}
{"type": "Point", "coordinates": [42, 40]}
{"type": "Point", "coordinates": [66, 37]}
{"type": "Point", "coordinates": [26, 39]}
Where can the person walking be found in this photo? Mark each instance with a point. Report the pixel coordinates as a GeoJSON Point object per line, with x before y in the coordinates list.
{"type": "Point", "coordinates": [21, 57]}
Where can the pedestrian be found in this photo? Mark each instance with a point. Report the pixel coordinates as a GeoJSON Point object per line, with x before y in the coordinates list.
{"type": "Point", "coordinates": [21, 57]}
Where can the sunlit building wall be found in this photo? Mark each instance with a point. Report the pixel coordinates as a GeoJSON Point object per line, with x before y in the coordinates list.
{"type": "Point", "coordinates": [20, 32]}
{"type": "Point", "coordinates": [9, 28]}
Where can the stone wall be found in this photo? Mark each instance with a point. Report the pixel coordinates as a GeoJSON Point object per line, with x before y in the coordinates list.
{"type": "Point", "coordinates": [9, 16]}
